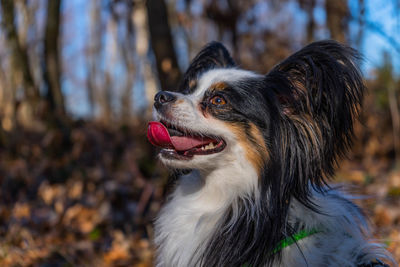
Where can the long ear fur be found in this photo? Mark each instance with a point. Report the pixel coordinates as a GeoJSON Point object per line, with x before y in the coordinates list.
{"type": "Point", "coordinates": [321, 96]}
{"type": "Point", "coordinates": [213, 55]}
{"type": "Point", "coordinates": [313, 97]}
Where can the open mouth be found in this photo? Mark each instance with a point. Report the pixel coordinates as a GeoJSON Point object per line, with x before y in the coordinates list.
{"type": "Point", "coordinates": [178, 143]}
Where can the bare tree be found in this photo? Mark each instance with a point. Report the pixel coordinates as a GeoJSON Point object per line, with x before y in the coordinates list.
{"type": "Point", "coordinates": [52, 66]}
{"type": "Point", "coordinates": [95, 53]}
{"type": "Point", "coordinates": [361, 24]}
{"type": "Point", "coordinates": [139, 18]}
{"type": "Point", "coordinates": [309, 6]}
{"type": "Point", "coordinates": [19, 57]}
{"type": "Point", "coordinates": [161, 42]}
{"type": "Point", "coordinates": [21, 92]}
{"type": "Point", "coordinates": [126, 48]}
{"type": "Point", "coordinates": [337, 15]}
{"type": "Point", "coordinates": [226, 19]}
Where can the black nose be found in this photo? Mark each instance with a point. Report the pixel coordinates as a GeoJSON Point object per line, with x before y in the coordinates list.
{"type": "Point", "coordinates": [163, 98]}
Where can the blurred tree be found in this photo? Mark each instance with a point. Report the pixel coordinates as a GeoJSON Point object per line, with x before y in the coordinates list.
{"type": "Point", "coordinates": [226, 18]}
{"type": "Point", "coordinates": [337, 19]}
{"type": "Point", "coordinates": [390, 85]}
{"type": "Point", "coordinates": [142, 48]}
{"type": "Point", "coordinates": [94, 53]}
{"type": "Point", "coordinates": [309, 6]}
{"type": "Point", "coordinates": [126, 46]}
{"type": "Point", "coordinates": [52, 65]}
{"type": "Point", "coordinates": [21, 76]}
{"type": "Point", "coordinates": [361, 24]}
{"type": "Point", "coordinates": [161, 41]}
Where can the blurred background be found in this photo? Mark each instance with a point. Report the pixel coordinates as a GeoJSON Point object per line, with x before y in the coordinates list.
{"type": "Point", "coordinates": [79, 183]}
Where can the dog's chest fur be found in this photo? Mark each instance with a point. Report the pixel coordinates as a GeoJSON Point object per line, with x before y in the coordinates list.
{"type": "Point", "coordinates": [180, 232]}
{"type": "Point", "coordinates": [184, 224]}
{"type": "Point", "coordinates": [190, 217]}
{"type": "Point", "coordinates": [187, 223]}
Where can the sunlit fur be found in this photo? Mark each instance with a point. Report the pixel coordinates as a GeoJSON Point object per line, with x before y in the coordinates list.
{"type": "Point", "coordinates": [284, 133]}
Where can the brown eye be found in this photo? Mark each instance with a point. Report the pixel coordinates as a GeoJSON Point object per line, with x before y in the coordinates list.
{"type": "Point", "coordinates": [218, 100]}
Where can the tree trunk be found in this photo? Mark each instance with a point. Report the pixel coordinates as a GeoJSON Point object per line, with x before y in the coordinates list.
{"type": "Point", "coordinates": [52, 66]}
{"type": "Point", "coordinates": [361, 24]}
{"type": "Point", "coordinates": [308, 6]}
{"type": "Point", "coordinates": [126, 43]}
{"type": "Point", "coordinates": [161, 41]}
{"type": "Point", "coordinates": [337, 19]}
{"type": "Point", "coordinates": [95, 54]}
{"type": "Point", "coordinates": [19, 57]}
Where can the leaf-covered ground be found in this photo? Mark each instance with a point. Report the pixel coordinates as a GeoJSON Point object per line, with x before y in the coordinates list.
{"type": "Point", "coordinates": [87, 197]}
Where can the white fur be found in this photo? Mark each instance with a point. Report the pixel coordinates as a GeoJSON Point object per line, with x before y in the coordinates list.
{"type": "Point", "coordinates": [188, 219]}
{"type": "Point", "coordinates": [220, 75]}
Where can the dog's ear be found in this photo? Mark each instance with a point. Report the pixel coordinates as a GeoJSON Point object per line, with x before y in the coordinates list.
{"type": "Point", "coordinates": [319, 91]}
{"type": "Point", "coordinates": [322, 76]}
{"type": "Point", "coordinates": [213, 55]}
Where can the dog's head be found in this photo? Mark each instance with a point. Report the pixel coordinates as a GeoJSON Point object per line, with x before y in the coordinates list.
{"type": "Point", "coordinates": [219, 116]}
{"type": "Point", "coordinates": [272, 135]}
{"type": "Point", "coordinates": [296, 120]}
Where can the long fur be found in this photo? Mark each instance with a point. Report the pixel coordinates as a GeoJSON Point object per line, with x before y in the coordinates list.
{"type": "Point", "coordinates": [285, 132]}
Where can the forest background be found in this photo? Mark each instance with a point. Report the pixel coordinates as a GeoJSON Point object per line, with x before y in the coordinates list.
{"type": "Point", "coordinates": [79, 183]}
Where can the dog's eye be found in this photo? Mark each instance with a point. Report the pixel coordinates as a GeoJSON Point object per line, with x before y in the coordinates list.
{"type": "Point", "coordinates": [218, 100]}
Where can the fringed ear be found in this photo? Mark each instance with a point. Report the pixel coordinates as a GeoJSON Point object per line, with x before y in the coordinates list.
{"type": "Point", "coordinates": [319, 90]}
{"type": "Point", "coordinates": [213, 55]}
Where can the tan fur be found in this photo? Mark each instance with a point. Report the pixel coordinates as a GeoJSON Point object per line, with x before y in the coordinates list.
{"type": "Point", "coordinates": [219, 86]}
{"type": "Point", "coordinates": [192, 83]}
{"type": "Point", "coordinates": [255, 154]}
{"type": "Point", "coordinates": [308, 128]}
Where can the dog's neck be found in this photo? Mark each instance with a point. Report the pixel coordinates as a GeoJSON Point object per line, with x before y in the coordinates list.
{"type": "Point", "coordinates": [196, 207]}
{"type": "Point", "coordinates": [215, 189]}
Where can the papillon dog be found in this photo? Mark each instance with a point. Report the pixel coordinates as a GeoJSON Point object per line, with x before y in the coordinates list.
{"type": "Point", "coordinates": [258, 151]}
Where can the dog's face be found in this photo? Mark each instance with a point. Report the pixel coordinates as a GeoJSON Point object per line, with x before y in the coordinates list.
{"type": "Point", "coordinates": [216, 122]}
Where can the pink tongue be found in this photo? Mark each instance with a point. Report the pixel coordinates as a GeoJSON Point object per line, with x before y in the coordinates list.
{"type": "Point", "coordinates": [158, 135]}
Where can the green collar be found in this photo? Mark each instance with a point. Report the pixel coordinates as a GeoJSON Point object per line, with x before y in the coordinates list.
{"type": "Point", "coordinates": [293, 239]}
{"type": "Point", "coordinates": [290, 240]}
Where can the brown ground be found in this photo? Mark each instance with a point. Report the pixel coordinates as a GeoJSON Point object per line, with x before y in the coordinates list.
{"type": "Point", "coordinates": [87, 197]}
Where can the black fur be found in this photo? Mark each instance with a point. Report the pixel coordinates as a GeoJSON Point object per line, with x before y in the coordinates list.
{"type": "Point", "coordinates": [305, 109]}
{"type": "Point", "coordinates": [213, 55]}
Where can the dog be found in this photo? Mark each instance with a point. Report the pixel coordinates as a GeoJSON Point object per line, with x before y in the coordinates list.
{"type": "Point", "coordinates": [257, 153]}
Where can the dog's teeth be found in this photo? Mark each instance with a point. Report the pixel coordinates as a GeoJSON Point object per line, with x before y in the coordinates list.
{"type": "Point", "coordinates": [209, 146]}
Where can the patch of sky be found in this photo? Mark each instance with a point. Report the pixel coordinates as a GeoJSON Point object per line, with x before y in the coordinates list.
{"type": "Point", "coordinates": [267, 17]}
{"type": "Point", "coordinates": [383, 24]}
{"type": "Point", "coordinates": [74, 40]}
